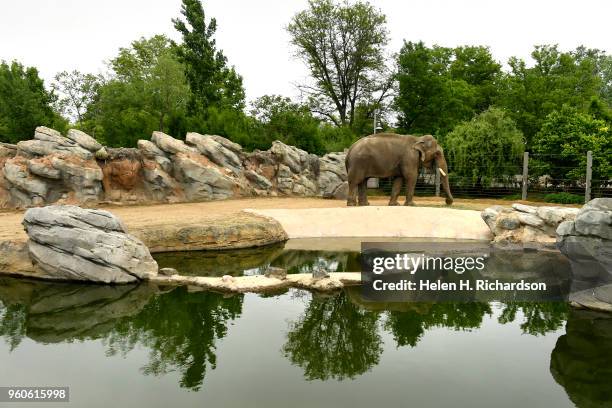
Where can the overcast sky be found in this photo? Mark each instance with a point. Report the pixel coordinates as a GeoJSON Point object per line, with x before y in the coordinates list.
{"type": "Point", "coordinates": [56, 35]}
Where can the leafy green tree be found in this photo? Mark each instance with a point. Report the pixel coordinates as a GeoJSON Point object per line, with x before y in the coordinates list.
{"type": "Point", "coordinates": [342, 46]}
{"type": "Point", "coordinates": [486, 147]}
{"type": "Point", "coordinates": [148, 92]}
{"type": "Point", "coordinates": [24, 103]}
{"type": "Point", "coordinates": [212, 82]}
{"type": "Point", "coordinates": [563, 141]}
{"type": "Point", "coordinates": [556, 79]}
{"type": "Point", "coordinates": [76, 92]}
{"type": "Point", "coordinates": [440, 87]}
{"type": "Point", "coordinates": [287, 121]}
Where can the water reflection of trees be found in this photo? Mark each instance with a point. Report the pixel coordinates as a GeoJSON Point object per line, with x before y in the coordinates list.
{"type": "Point", "coordinates": [334, 338]}
{"type": "Point", "coordinates": [409, 326]}
{"type": "Point", "coordinates": [539, 317]}
{"type": "Point", "coordinates": [180, 330]}
{"type": "Point", "coordinates": [581, 361]}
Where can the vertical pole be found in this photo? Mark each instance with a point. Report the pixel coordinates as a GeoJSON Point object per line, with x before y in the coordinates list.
{"type": "Point", "coordinates": [589, 175]}
{"type": "Point", "coordinates": [375, 114]}
{"type": "Point", "coordinates": [437, 181]}
{"type": "Point", "coordinates": [525, 175]}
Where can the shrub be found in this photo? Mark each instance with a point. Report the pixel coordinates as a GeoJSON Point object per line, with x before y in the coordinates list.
{"type": "Point", "coordinates": [564, 198]}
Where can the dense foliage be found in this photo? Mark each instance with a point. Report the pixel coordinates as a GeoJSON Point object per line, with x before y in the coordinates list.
{"type": "Point", "coordinates": [561, 145]}
{"type": "Point", "coordinates": [486, 147]}
{"type": "Point", "coordinates": [24, 103]}
{"type": "Point", "coordinates": [440, 87]}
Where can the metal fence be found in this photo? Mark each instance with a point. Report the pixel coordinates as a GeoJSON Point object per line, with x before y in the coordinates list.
{"type": "Point", "coordinates": [521, 183]}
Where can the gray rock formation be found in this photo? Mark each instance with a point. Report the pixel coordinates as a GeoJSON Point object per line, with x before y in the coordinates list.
{"type": "Point", "coordinates": [84, 140]}
{"type": "Point", "coordinates": [169, 144]}
{"type": "Point", "coordinates": [72, 243]}
{"type": "Point", "coordinates": [332, 176]}
{"type": "Point", "coordinates": [48, 141]}
{"type": "Point", "coordinates": [525, 226]}
{"type": "Point", "coordinates": [201, 180]}
{"type": "Point", "coordinates": [76, 169]}
{"type": "Point", "coordinates": [587, 242]}
{"type": "Point", "coordinates": [217, 152]}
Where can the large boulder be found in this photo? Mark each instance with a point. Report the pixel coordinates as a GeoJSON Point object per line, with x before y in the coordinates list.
{"type": "Point", "coordinates": [332, 178]}
{"type": "Point", "coordinates": [84, 140]}
{"type": "Point", "coordinates": [525, 226]}
{"type": "Point", "coordinates": [49, 141]}
{"type": "Point", "coordinates": [587, 242]}
{"type": "Point", "coordinates": [216, 151]}
{"type": "Point", "coordinates": [169, 144]}
{"type": "Point", "coordinates": [72, 243]}
{"type": "Point", "coordinates": [203, 180]}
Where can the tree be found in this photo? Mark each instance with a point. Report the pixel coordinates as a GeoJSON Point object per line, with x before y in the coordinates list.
{"type": "Point", "coordinates": [529, 94]}
{"type": "Point", "coordinates": [563, 141]}
{"type": "Point", "coordinates": [77, 91]}
{"type": "Point", "coordinates": [147, 92]}
{"type": "Point", "coordinates": [287, 121]}
{"type": "Point", "coordinates": [440, 87]}
{"type": "Point", "coordinates": [24, 103]}
{"type": "Point", "coordinates": [342, 45]}
{"type": "Point", "coordinates": [212, 82]}
{"type": "Point", "coordinates": [486, 147]}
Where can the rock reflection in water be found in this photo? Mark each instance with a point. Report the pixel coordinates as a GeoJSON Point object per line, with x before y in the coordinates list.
{"type": "Point", "coordinates": [255, 261]}
{"type": "Point", "coordinates": [179, 328]}
{"type": "Point", "coordinates": [49, 312]}
{"type": "Point", "coordinates": [582, 359]}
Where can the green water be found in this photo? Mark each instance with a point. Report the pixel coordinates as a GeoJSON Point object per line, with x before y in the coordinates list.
{"type": "Point", "coordinates": [149, 346]}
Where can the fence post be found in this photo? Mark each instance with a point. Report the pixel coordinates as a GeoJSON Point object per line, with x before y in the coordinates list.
{"type": "Point", "coordinates": [589, 175]}
{"type": "Point", "coordinates": [525, 175]}
{"type": "Point", "coordinates": [437, 182]}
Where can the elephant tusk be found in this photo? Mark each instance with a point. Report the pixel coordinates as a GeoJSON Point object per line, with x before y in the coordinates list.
{"type": "Point", "coordinates": [442, 172]}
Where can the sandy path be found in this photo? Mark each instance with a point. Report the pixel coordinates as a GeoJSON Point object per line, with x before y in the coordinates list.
{"type": "Point", "coordinates": [136, 217]}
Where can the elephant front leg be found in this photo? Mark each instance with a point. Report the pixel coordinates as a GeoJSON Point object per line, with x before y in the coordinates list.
{"type": "Point", "coordinates": [395, 190]}
{"type": "Point", "coordinates": [363, 192]}
{"type": "Point", "coordinates": [410, 185]}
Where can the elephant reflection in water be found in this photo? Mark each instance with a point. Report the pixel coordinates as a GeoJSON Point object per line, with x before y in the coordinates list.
{"type": "Point", "coordinates": [581, 361]}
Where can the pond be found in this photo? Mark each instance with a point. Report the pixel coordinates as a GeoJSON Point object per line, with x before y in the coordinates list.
{"type": "Point", "coordinates": [150, 346]}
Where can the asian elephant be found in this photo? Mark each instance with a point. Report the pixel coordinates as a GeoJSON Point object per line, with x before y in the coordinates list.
{"type": "Point", "coordinates": [397, 156]}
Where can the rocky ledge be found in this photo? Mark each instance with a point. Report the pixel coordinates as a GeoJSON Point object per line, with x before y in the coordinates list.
{"type": "Point", "coordinates": [524, 226]}
{"type": "Point", "coordinates": [587, 242]}
{"type": "Point", "coordinates": [76, 169]}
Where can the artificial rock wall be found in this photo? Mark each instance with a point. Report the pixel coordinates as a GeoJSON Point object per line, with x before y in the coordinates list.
{"type": "Point", "coordinates": [76, 169]}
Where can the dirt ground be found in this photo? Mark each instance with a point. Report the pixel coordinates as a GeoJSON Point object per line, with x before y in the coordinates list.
{"type": "Point", "coordinates": [183, 213]}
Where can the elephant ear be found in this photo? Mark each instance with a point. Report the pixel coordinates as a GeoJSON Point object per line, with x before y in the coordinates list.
{"type": "Point", "coordinates": [420, 146]}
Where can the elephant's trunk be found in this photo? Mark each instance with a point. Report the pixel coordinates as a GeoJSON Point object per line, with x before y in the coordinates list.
{"type": "Point", "coordinates": [441, 164]}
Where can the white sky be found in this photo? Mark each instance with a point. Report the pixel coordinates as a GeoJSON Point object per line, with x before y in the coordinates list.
{"type": "Point", "coordinates": [56, 35]}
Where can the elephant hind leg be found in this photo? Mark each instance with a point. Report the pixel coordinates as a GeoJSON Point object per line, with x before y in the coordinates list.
{"type": "Point", "coordinates": [363, 192]}
{"type": "Point", "coordinates": [351, 199]}
{"type": "Point", "coordinates": [395, 190]}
